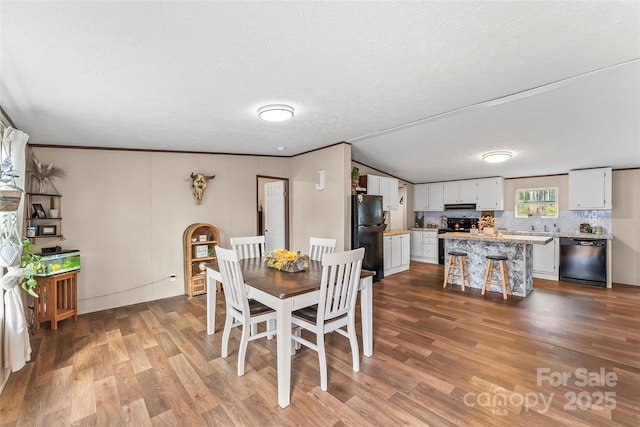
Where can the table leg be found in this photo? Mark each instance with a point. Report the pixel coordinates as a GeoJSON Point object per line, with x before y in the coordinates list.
{"type": "Point", "coordinates": [366, 307]}
{"type": "Point", "coordinates": [284, 351]}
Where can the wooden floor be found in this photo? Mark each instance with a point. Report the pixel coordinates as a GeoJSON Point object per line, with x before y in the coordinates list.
{"type": "Point", "coordinates": [441, 357]}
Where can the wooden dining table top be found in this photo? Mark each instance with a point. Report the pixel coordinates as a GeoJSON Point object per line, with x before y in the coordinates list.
{"type": "Point", "coordinates": [282, 284]}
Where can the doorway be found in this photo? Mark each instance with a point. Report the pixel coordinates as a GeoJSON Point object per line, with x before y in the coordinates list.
{"type": "Point", "coordinates": [273, 211]}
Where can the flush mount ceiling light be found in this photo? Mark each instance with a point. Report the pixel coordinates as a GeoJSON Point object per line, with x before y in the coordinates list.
{"type": "Point", "coordinates": [275, 112]}
{"type": "Point", "coordinates": [496, 156]}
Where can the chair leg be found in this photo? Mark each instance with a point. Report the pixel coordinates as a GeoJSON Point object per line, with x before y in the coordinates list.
{"type": "Point", "coordinates": [271, 325]}
{"type": "Point", "coordinates": [485, 284]}
{"type": "Point", "coordinates": [504, 278]}
{"type": "Point", "coordinates": [322, 359]}
{"type": "Point", "coordinates": [225, 335]}
{"type": "Point", "coordinates": [447, 272]}
{"type": "Point", "coordinates": [466, 272]}
{"type": "Point", "coordinates": [242, 351]}
{"type": "Point", "coordinates": [353, 340]}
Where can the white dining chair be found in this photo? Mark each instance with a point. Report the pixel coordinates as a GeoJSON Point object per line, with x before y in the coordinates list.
{"type": "Point", "coordinates": [335, 309]}
{"type": "Point", "coordinates": [319, 247]}
{"type": "Point", "coordinates": [241, 311]}
{"type": "Point", "coordinates": [248, 247]}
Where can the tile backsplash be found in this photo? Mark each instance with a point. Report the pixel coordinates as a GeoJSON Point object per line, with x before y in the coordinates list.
{"type": "Point", "coordinates": [567, 221]}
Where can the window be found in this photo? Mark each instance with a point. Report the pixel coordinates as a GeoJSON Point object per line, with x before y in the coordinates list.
{"type": "Point", "coordinates": [537, 202]}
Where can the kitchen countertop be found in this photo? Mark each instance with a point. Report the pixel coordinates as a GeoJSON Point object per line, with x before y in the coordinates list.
{"type": "Point", "coordinates": [433, 230]}
{"type": "Point", "coordinates": [506, 238]}
{"type": "Point", "coordinates": [573, 235]}
{"type": "Point", "coordinates": [395, 232]}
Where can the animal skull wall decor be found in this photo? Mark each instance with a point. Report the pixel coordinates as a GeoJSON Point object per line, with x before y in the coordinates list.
{"type": "Point", "coordinates": [199, 184]}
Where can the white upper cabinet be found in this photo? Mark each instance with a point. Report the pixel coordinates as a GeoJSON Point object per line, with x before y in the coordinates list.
{"type": "Point", "coordinates": [469, 191]}
{"type": "Point", "coordinates": [428, 197]}
{"type": "Point", "coordinates": [421, 197]}
{"type": "Point", "coordinates": [490, 194]}
{"type": "Point", "coordinates": [373, 185]}
{"type": "Point", "coordinates": [590, 189]}
{"type": "Point", "coordinates": [456, 192]}
{"type": "Point", "coordinates": [390, 193]}
{"type": "Point", "coordinates": [385, 187]}
{"type": "Point", "coordinates": [436, 197]}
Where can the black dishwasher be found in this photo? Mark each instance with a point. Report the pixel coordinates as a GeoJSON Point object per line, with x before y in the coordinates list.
{"type": "Point", "coordinates": [583, 261]}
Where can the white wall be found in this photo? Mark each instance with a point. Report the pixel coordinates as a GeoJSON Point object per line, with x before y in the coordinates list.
{"type": "Point", "coordinates": [323, 213]}
{"type": "Point", "coordinates": [625, 222]}
{"type": "Point", "coordinates": [126, 212]}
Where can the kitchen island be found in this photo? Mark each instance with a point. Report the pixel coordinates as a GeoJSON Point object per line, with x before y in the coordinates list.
{"type": "Point", "coordinates": [518, 248]}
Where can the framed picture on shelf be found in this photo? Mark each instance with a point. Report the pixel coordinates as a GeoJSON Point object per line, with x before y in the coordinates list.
{"type": "Point", "coordinates": [202, 251]}
{"type": "Point", "coordinates": [38, 211]}
{"type": "Point", "coordinates": [202, 237]}
{"type": "Point", "coordinates": [47, 230]}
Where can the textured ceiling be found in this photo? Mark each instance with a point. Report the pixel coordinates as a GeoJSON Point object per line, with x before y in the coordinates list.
{"type": "Point", "coordinates": [407, 83]}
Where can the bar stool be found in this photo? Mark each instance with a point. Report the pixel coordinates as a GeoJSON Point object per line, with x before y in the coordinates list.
{"type": "Point", "coordinates": [457, 261]}
{"type": "Point", "coordinates": [497, 264]}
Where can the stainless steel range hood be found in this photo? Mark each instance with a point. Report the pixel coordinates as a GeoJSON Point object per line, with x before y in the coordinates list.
{"type": "Point", "coordinates": [460, 207]}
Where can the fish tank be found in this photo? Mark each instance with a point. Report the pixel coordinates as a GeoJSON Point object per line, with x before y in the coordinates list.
{"type": "Point", "coordinates": [58, 262]}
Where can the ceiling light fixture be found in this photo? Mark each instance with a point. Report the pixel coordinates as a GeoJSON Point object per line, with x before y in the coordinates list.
{"type": "Point", "coordinates": [496, 156]}
{"type": "Point", "coordinates": [275, 112]}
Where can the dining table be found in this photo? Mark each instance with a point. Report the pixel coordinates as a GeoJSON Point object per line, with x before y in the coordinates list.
{"type": "Point", "coordinates": [286, 292]}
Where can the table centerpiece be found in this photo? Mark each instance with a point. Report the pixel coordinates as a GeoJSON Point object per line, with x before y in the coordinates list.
{"type": "Point", "coordinates": [285, 260]}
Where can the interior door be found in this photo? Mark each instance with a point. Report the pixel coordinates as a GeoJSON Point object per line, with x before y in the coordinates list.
{"type": "Point", "coordinates": [274, 213]}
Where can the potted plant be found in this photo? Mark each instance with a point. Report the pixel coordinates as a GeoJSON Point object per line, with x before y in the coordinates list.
{"type": "Point", "coordinates": [486, 224]}
{"type": "Point", "coordinates": [10, 194]}
{"type": "Point", "coordinates": [355, 176]}
{"type": "Point", "coordinates": [53, 212]}
{"type": "Point", "coordinates": [30, 263]}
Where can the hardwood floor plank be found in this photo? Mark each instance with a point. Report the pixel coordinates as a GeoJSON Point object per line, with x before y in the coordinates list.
{"type": "Point", "coordinates": [108, 408]}
{"type": "Point", "coordinates": [83, 399]}
{"type": "Point", "coordinates": [117, 348]}
{"type": "Point", "coordinates": [135, 414]}
{"type": "Point", "coordinates": [137, 356]}
{"type": "Point", "coordinates": [60, 390]}
{"type": "Point", "coordinates": [192, 383]}
{"type": "Point", "coordinates": [10, 403]}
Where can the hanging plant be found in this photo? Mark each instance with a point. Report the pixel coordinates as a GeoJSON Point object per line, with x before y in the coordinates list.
{"type": "Point", "coordinates": [30, 264]}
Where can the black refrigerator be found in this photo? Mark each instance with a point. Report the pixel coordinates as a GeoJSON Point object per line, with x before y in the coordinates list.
{"type": "Point", "coordinates": [367, 226]}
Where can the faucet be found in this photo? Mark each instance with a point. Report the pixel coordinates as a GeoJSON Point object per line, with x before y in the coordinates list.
{"type": "Point", "coordinates": [545, 228]}
{"type": "Point", "coordinates": [533, 228]}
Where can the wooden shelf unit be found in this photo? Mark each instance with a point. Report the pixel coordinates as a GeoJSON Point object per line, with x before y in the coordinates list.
{"type": "Point", "coordinates": [58, 298]}
{"type": "Point", "coordinates": [43, 199]}
{"type": "Point", "coordinates": [195, 279]}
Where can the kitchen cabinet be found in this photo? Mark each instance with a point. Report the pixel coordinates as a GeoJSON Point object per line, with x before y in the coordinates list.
{"type": "Point", "coordinates": [590, 189]}
{"type": "Point", "coordinates": [456, 192]}
{"type": "Point", "coordinates": [416, 244]}
{"type": "Point", "coordinates": [436, 197]}
{"type": "Point", "coordinates": [424, 246]}
{"type": "Point", "coordinates": [490, 194]}
{"type": "Point", "coordinates": [387, 188]}
{"type": "Point", "coordinates": [421, 197]}
{"type": "Point", "coordinates": [396, 253]}
{"type": "Point", "coordinates": [546, 260]}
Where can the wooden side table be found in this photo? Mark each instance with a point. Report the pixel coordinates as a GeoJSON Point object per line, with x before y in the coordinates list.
{"type": "Point", "coordinates": [58, 298]}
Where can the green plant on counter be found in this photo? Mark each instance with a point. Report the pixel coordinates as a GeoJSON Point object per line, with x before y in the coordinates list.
{"type": "Point", "coordinates": [29, 263]}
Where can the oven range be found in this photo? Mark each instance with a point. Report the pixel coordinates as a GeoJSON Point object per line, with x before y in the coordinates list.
{"type": "Point", "coordinates": [460, 225]}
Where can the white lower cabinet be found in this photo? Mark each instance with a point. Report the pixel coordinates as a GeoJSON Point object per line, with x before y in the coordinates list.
{"type": "Point", "coordinates": [396, 253]}
{"type": "Point", "coordinates": [424, 246]}
{"type": "Point", "coordinates": [546, 260]}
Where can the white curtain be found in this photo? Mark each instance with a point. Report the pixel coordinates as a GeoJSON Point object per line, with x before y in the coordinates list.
{"type": "Point", "coordinates": [14, 334]}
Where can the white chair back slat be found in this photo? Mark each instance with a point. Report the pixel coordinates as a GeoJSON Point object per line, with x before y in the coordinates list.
{"type": "Point", "coordinates": [234, 288]}
{"type": "Point", "coordinates": [248, 247]}
{"type": "Point", "coordinates": [340, 280]}
{"type": "Point", "coordinates": [318, 247]}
